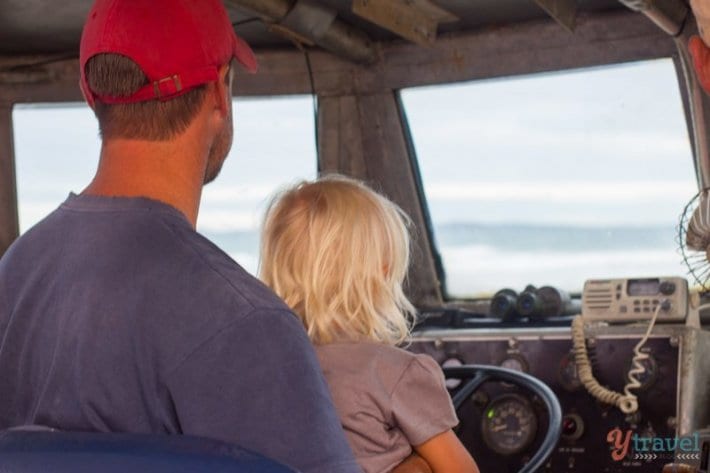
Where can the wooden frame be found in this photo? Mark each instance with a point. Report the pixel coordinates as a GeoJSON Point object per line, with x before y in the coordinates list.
{"type": "Point", "coordinates": [9, 225]}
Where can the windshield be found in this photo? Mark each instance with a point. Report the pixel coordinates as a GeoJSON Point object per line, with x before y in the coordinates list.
{"type": "Point", "coordinates": [552, 179]}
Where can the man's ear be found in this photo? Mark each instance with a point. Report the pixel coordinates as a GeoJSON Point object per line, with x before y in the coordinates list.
{"type": "Point", "coordinates": [223, 90]}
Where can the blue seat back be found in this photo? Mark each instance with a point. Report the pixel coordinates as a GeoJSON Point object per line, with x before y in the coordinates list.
{"type": "Point", "coordinates": [64, 452]}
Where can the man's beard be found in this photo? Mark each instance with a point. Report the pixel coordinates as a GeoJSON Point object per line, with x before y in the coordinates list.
{"type": "Point", "coordinates": [219, 151]}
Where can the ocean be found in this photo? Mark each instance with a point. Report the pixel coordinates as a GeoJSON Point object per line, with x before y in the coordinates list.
{"type": "Point", "coordinates": [479, 259]}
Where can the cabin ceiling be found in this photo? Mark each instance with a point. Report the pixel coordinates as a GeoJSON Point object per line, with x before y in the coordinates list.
{"type": "Point", "coordinates": [51, 26]}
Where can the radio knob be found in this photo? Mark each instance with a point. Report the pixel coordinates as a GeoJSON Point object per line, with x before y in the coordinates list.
{"type": "Point", "coordinates": [667, 288]}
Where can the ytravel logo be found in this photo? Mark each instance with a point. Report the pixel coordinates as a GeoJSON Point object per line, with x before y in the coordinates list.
{"type": "Point", "coordinates": [630, 445]}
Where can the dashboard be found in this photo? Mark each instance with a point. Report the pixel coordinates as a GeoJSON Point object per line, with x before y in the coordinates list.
{"type": "Point", "coordinates": [502, 426]}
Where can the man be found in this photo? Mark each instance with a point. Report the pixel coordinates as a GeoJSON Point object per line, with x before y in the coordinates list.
{"type": "Point", "coordinates": [115, 315]}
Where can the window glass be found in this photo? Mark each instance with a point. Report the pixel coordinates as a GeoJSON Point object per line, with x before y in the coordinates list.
{"type": "Point", "coordinates": [57, 149]}
{"type": "Point", "coordinates": [56, 152]}
{"type": "Point", "coordinates": [274, 146]}
{"type": "Point", "coordinates": [551, 179]}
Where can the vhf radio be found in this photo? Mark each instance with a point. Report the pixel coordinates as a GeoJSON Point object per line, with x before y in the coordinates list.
{"type": "Point", "coordinates": [631, 300]}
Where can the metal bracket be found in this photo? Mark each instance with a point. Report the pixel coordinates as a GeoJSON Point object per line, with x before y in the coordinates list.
{"type": "Point", "coordinates": [309, 18]}
{"type": "Point", "coordinates": [669, 15]}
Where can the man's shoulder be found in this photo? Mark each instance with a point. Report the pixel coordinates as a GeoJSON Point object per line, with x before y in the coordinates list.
{"type": "Point", "coordinates": [218, 270]}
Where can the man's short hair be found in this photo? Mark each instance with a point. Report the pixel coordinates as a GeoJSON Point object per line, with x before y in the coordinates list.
{"type": "Point", "coordinates": [154, 120]}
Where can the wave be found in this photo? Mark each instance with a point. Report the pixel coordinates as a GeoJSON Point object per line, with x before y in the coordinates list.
{"type": "Point", "coordinates": [476, 269]}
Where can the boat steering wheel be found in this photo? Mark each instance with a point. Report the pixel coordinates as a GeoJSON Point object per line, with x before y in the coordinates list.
{"type": "Point", "coordinates": [476, 375]}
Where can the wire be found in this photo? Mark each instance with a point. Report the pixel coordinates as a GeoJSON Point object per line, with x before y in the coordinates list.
{"type": "Point", "coordinates": [244, 22]}
{"type": "Point", "coordinates": [43, 62]}
{"type": "Point", "coordinates": [636, 367]}
{"type": "Point", "coordinates": [626, 402]}
{"type": "Point", "coordinates": [315, 101]}
{"type": "Point", "coordinates": [300, 46]}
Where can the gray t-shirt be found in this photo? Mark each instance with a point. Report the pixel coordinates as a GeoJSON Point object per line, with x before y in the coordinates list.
{"type": "Point", "coordinates": [388, 399]}
{"type": "Point", "coordinates": [116, 316]}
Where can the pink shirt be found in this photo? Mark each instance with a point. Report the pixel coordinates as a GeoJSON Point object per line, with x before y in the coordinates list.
{"type": "Point", "coordinates": [388, 399]}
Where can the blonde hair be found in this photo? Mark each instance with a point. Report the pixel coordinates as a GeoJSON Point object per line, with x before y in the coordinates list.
{"type": "Point", "coordinates": [337, 252]}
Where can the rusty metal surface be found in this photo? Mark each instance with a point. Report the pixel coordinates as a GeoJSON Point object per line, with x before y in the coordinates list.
{"type": "Point", "coordinates": [415, 20]}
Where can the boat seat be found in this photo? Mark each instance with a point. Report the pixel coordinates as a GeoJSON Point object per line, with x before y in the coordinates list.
{"type": "Point", "coordinates": [38, 450]}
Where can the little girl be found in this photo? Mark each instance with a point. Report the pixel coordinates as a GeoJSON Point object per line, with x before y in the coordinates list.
{"type": "Point", "coordinates": [337, 253]}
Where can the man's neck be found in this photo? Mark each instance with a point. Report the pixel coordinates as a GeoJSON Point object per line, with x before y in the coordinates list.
{"type": "Point", "coordinates": [171, 172]}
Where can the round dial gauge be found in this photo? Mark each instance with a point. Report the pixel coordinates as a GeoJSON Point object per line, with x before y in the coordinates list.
{"type": "Point", "coordinates": [509, 424]}
{"type": "Point", "coordinates": [515, 362]}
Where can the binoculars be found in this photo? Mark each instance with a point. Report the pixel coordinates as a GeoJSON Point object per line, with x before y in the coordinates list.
{"type": "Point", "coordinates": [533, 303]}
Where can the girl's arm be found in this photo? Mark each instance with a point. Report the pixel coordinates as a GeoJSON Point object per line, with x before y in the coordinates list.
{"type": "Point", "coordinates": [445, 454]}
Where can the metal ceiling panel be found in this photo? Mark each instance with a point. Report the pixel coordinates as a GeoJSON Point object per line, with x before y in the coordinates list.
{"type": "Point", "coordinates": [51, 26]}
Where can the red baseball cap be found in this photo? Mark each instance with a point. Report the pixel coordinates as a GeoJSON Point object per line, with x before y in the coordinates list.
{"type": "Point", "coordinates": [179, 44]}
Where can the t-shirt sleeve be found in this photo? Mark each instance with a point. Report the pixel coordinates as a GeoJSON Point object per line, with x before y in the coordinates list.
{"type": "Point", "coordinates": [421, 405]}
{"type": "Point", "coordinates": [258, 384]}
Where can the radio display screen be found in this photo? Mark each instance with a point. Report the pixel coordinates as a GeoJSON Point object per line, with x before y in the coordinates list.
{"type": "Point", "coordinates": [642, 287]}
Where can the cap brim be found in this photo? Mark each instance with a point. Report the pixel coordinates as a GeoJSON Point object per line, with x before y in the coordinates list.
{"type": "Point", "coordinates": [245, 55]}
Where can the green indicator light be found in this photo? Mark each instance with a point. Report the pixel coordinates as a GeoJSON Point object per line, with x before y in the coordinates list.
{"type": "Point", "coordinates": [491, 413]}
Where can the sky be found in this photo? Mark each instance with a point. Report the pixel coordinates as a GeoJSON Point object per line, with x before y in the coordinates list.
{"type": "Point", "coordinates": [595, 145]}
{"type": "Point", "coordinates": [589, 148]}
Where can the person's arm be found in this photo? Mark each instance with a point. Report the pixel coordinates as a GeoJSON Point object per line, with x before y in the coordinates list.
{"type": "Point", "coordinates": [413, 464]}
{"type": "Point", "coordinates": [422, 409]}
{"type": "Point", "coordinates": [257, 384]}
{"type": "Point", "coordinates": [445, 454]}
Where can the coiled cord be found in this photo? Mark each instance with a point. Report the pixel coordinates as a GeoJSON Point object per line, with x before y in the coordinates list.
{"type": "Point", "coordinates": [636, 367]}
{"type": "Point", "coordinates": [627, 402]}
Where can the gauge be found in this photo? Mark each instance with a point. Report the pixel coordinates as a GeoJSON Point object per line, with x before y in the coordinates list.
{"type": "Point", "coordinates": [452, 383]}
{"type": "Point", "coordinates": [572, 427]}
{"type": "Point", "coordinates": [515, 362]}
{"type": "Point", "coordinates": [567, 373]}
{"type": "Point", "coordinates": [509, 424]}
{"type": "Point", "coordinates": [650, 372]}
